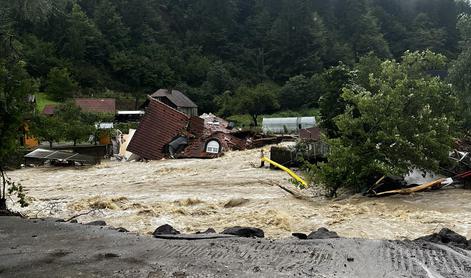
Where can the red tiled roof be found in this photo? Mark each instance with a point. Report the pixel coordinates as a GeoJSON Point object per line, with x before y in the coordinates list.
{"type": "Point", "coordinates": [49, 109]}
{"type": "Point", "coordinates": [97, 105]}
{"type": "Point", "coordinates": [160, 125]}
{"type": "Point", "coordinates": [196, 126]}
{"type": "Point", "coordinates": [197, 147]}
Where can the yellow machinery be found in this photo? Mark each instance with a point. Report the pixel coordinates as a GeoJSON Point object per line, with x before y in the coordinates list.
{"type": "Point", "coordinates": [302, 183]}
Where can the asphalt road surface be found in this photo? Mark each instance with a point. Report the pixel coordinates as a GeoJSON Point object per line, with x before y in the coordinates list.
{"type": "Point", "coordinates": [45, 248]}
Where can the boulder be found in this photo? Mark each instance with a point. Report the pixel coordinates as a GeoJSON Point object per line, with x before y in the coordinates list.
{"type": "Point", "coordinates": [299, 235]}
{"type": "Point", "coordinates": [244, 232]}
{"type": "Point", "coordinates": [96, 223]}
{"type": "Point", "coordinates": [447, 236]}
{"type": "Point", "coordinates": [208, 231]}
{"type": "Point", "coordinates": [165, 230]}
{"type": "Point", "coordinates": [322, 233]}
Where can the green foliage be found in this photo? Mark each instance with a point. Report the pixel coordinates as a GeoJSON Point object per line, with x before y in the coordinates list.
{"type": "Point", "coordinates": [256, 101]}
{"type": "Point", "coordinates": [48, 128]}
{"type": "Point", "coordinates": [299, 92]}
{"type": "Point", "coordinates": [460, 72]}
{"type": "Point", "coordinates": [464, 27]}
{"type": "Point", "coordinates": [82, 40]}
{"type": "Point", "coordinates": [208, 47]}
{"type": "Point", "coordinates": [42, 99]}
{"type": "Point", "coordinates": [17, 189]}
{"type": "Point", "coordinates": [75, 123]}
{"type": "Point", "coordinates": [408, 120]}
{"type": "Point", "coordinates": [68, 123]}
{"type": "Point", "coordinates": [15, 85]}
{"type": "Point", "coordinates": [297, 41]}
{"type": "Point", "coordinates": [367, 65]}
{"type": "Point", "coordinates": [60, 85]}
{"type": "Point", "coordinates": [360, 28]}
{"type": "Point", "coordinates": [330, 84]}
{"type": "Point", "coordinates": [426, 36]}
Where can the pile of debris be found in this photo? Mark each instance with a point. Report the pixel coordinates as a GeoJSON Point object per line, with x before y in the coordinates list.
{"type": "Point", "coordinates": [458, 172]}
{"type": "Point", "coordinates": [165, 132]}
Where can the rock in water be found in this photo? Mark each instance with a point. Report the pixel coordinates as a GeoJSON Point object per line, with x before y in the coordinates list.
{"type": "Point", "coordinates": [208, 231]}
{"type": "Point", "coordinates": [299, 235]}
{"type": "Point", "coordinates": [244, 232]}
{"type": "Point", "coordinates": [322, 233]}
{"type": "Point", "coordinates": [97, 223]}
{"type": "Point", "coordinates": [165, 230]}
{"type": "Point", "coordinates": [122, 230]}
{"type": "Point", "coordinates": [447, 236]}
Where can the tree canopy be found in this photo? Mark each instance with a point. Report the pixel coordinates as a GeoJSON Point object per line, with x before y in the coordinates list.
{"type": "Point", "coordinates": [207, 47]}
{"type": "Point", "coordinates": [407, 120]}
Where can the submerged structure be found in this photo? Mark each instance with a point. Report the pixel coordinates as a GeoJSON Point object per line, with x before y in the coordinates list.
{"type": "Point", "coordinates": [287, 125]}
{"type": "Point", "coordinates": [167, 132]}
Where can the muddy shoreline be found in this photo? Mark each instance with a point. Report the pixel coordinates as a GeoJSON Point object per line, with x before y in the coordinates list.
{"type": "Point", "coordinates": [45, 248]}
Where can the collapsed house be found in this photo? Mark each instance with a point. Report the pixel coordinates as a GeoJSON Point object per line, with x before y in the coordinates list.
{"type": "Point", "coordinates": [167, 132]}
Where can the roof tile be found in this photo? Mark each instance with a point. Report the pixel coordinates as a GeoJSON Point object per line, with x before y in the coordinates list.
{"type": "Point", "coordinates": [160, 125]}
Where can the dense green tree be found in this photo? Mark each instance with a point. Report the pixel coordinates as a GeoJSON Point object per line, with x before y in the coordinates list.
{"type": "Point", "coordinates": [138, 46]}
{"type": "Point", "coordinates": [256, 101]}
{"type": "Point", "coordinates": [330, 84]}
{"type": "Point", "coordinates": [408, 121]}
{"type": "Point", "coordinates": [225, 104]}
{"type": "Point", "coordinates": [425, 35]}
{"type": "Point", "coordinates": [110, 24]}
{"type": "Point", "coordinates": [297, 41]}
{"type": "Point", "coordinates": [40, 56]}
{"type": "Point", "coordinates": [82, 40]}
{"type": "Point", "coordinates": [460, 73]}
{"type": "Point", "coordinates": [299, 92]}
{"type": "Point", "coordinates": [360, 28]}
{"type": "Point", "coordinates": [76, 127]}
{"type": "Point", "coordinates": [60, 84]}
{"type": "Point", "coordinates": [366, 66]}
{"type": "Point", "coordinates": [48, 128]}
{"type": "Point", "coordinates": [15, 87]}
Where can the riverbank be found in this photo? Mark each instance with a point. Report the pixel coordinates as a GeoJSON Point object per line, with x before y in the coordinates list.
{"type": "Point", "coordinates": [45, 248]}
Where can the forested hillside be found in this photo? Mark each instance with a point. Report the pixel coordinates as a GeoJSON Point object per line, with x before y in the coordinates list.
{"type": "Point", "coordinates": [211, 48]}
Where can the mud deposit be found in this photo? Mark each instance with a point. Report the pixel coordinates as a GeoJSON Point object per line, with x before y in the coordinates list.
{"type": "Point", "coordinates": [193, 195]}
{"type": "Point", "coordinates": [49, 249]}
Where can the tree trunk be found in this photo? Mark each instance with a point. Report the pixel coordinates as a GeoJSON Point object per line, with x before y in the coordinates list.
{"type": "Point", "coordinates": [254, 118]}
{"type": "Point", "coordinates": [50, 145]}
{"type": "Point", "coordinates": [3, 196]}
{"type": "Point", "coordinates": [3, 204]}
{"type": "Point", "coordinates": [75, 142]}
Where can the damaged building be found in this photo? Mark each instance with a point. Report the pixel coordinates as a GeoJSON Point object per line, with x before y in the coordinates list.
{"type": "Point", "coordinates": [166, 132]}
{"type": "Point", "coordinates": [176, 100]}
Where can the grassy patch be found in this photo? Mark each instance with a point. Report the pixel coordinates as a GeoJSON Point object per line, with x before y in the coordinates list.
{"type": "Point", "coordinates": [42, 99]}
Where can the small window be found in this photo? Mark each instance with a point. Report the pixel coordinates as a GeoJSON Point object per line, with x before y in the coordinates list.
{"type": "Point", "coordinates": [213, 147]}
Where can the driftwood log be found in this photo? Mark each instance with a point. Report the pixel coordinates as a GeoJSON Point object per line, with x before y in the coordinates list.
{"type": "Point", "coordinates": [425, 186]}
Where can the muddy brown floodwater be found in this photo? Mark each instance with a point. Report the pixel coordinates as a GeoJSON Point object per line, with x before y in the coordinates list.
{"type": "Point", "coordinates": [193, 195]}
